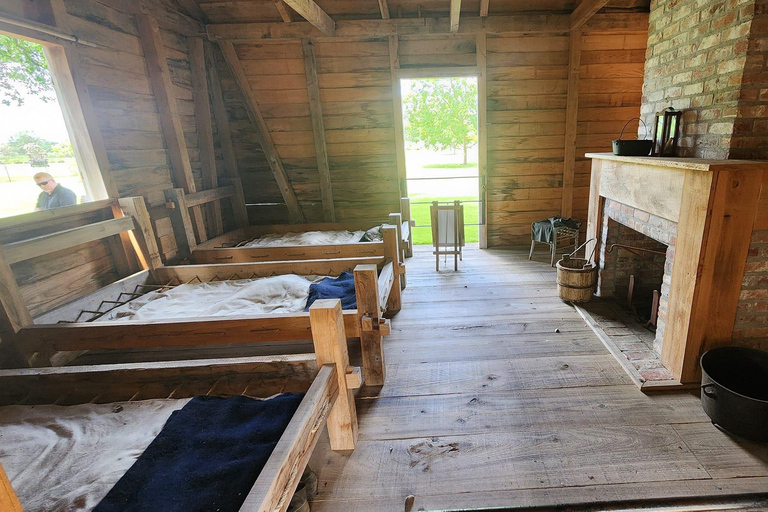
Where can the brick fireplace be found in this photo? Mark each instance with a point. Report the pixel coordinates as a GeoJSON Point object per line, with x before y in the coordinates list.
{"type": "Point", "coordinates": [710, 217]}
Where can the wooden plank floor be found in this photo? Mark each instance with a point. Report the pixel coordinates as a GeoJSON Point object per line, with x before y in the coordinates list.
{"type": "Point", "coordinates": [498, 394]}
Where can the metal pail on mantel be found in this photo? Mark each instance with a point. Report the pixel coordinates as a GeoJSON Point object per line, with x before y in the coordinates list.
{"type": "Point", "coordinates": [576, 277]}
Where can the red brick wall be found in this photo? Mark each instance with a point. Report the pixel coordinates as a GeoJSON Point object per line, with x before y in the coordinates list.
{"type": "Point", "coordinates": [751, 327]}
{"type": "Point", "coordinates": [696, 61]}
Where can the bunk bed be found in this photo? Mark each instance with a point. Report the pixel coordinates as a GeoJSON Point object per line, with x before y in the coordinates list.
{"type": "Point", "coordinates": [58, 335]}
{"type": "Point", "coordinates": [324, 377]}
{"type": "Point", "coordinates": [244, 244]}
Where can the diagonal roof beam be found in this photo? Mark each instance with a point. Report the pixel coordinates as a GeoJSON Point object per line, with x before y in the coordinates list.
{"type": "Point", "coordinates": [312, 12]}
{"type": "Point", "coordinates": [283, 11]}
{"type": "Point", "coordinates": [384, 8]}
{"type": "Point", "coordinates": [484, 8]}
{"type": "Point", "coordinates": [455, 13]}
{"type": "Point", "coordinates": [585, 10]}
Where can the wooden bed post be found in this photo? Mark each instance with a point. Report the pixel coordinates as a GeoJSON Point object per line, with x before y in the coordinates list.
{"type": "Point", "coordinates": [405, 211]}
{"type": "Point", "coordinates": [396, 220]}
{"type": "Point", "coordinates": [13, 317]}
{"type": "Point", "coordinates": [391, 251]}
{"type": "Point", "coordinates": [330, 339]}
{"type": "Point", "coordinates": [9, 502]}
{"type": "Point", "coordinates": [182, 223]}
{"type": "Point", "coordinates": [369, 312]}
{"type": "Point", "coordinates": [143, 237]}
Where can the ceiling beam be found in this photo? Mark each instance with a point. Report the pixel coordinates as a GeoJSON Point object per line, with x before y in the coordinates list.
{"type": "Point", "coordinates": [585, 10]}
{"type": "Point", "coordinates": [312, 12]}
{"type": "Point", "coordinates": [262, 133]}
{"type": "Point", "coordinates": [455, 15]}
{"type": "Point", "coordinates": [484, 4]}
{"type": "Point", "coordinates": [283, 11]}
{"type": "Point", "coordinates": [384, 8]}
{"type": "Point", "coordinates": [510, 25]}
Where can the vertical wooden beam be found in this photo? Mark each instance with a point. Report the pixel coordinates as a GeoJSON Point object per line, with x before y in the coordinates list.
{"type": "Point", "coordinates": [262, 132]}
{"type": "Point", "coordinates": [396, 221]}
{"type": "Point", "coordinates": [455, 15]}
{"type": "Point", "coordinates": [571, 122]}
{"type": "Point", "coordinates": [389, 235]}
{"type": "Point", "coordinates": [484, 5]}
{"type": "Point", "coordinates": [482, 136]}
{"type": "Point", "coordinates": [143, 237]}
{"type": "Point", "coordinates": [9, 502]}
{"type": "Point", "coordinates": [367, 291]}
{"type": "Point", "coordinates": [318, 130]}
{"type": "Point", "coordinates": [312, 12]}
{"type": "Point", "coordinates": [329, 337]}
{"type": "Point", "coordinates": [160, 78]}
{"type": "Point", "coordinates": [397, 106]}
{"type": "Point", "coordinates": [182, 225]}
{"type": "Point", "coordinates": [405, 211]}
{"type": "Point", "coordinates": [284, 14]}
{"type": "Point", "coordinates": [201, 96]}
{"type": "Point", "coordinates": [384, 8]}
{"type": "Point", "coordinates": [121, 248]}
{"type": "Point", "coordinates": [239, 208]}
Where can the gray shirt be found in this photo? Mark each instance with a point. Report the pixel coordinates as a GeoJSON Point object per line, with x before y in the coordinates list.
{"type": "Point", "coordinates": [60, 196]}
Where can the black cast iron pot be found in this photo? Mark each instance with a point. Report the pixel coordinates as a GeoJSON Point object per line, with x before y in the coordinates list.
{"type": "Point", "coordinates": [734, 390]}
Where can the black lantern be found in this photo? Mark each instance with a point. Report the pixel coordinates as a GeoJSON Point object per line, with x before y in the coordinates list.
{"type": "Point", "coordinates": [666, 131]}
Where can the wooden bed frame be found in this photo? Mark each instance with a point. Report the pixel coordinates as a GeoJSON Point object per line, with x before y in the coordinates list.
{"type": "Point", "coordinates": [325, 376]}
{"type": "Point", "coordinates": [222, 248]}
{"type": "Point", "coordinates": [44, 341]}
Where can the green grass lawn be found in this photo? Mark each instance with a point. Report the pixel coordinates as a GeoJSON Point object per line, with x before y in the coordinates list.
{"type": "Point", "coordinates": [420, 213]}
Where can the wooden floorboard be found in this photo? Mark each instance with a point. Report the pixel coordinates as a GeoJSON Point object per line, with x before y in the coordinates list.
{"type": "Point", "coordinates": [498, 394]}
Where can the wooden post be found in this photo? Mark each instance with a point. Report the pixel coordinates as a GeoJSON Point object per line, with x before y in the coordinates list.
{"type": "Point", "coordinates": [143, 237]}
{"type": "Point", "coordinates": [367, 291]}
{"type": "Point", "coordinates": [455, 14]}
{"type": "Point", "coordinates": [482, 137]}
{"type": "Point", "coordinates": [121, 248]}
{"type": "Point", "coordinates": [571, 123]}
{"type": "Point", "coordinates": [312, 12]}
{"type": "Point", "coordinates": [170, 120]}
{"type": "Point", "coordinates": [329, 337]}
{"type": "Point", "coordinates": [9, 502]}
{"type": "Point", "coordinates": [397, 106]}
{"type": "Point", "coordinates": [394, 304]}
{"type": "Point", "coordinates": [182, 224]}
{"type": "Point", "coordinates": [318, 130]}
{"type": "Point", "coordinates": [396, 220]}
{"type": "Point", "coordinates": [13, 317]}
{"type": "Point", "coordinates": [204, 123]}
{"type": "Point", "coordinates": [405, 211]}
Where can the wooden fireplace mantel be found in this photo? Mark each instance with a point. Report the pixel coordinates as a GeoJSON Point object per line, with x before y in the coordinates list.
{"type": "Point", "coordinates": [716, 204]}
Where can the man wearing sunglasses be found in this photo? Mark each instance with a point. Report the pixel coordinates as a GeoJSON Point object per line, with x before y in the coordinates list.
{"type": "Point", "coordinates": [53, 194]}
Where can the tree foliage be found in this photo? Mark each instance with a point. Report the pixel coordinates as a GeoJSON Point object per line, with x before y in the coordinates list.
{"type": "Point", "coordinates": [16, 144]}
{"type": "Point", "coordinates": [442, 113]}
{"type": "Point", "coordinates": [23, 71]}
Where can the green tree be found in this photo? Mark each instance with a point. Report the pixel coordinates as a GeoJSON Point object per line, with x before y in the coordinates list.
{"type": "Point", "coordinates": [23, 71]}
{"type": "Point", "coordinates": [16, 143]}
{"type": "Point", "coordinates": [442, 113]}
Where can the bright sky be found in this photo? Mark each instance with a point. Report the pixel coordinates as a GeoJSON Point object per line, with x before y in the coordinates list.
{"type": "Point", "coordinates": [35, 116]}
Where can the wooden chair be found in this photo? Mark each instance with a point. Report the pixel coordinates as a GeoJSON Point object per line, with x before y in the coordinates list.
{"type": "Point", "coordinates": [447, 231]}
{"type": "Point", "coordinates": [560, 237]}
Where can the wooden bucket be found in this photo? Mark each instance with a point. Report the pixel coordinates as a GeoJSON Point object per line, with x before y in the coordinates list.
{"type": "Point", "coordinates": [576, 279]}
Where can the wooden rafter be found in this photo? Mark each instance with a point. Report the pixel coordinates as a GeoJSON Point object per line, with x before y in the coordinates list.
{"type": "Point", "coordinates": [484, 5]}
{"type": "Point", "coordinates": [571, 123]}
{"type": "Point", "coordinates": [384, 8]}
{"type": "Point", "coordinates": [585, 10]}
{"type": "Point", "coordinates": [204, 122]}
{"type": "Point", "coordinates": [284, 14]}
{"type": "Point", "coordinates": [170, 121]}
{"type": "Point", "coordinates": [262, 132]}
{"type": "Point", "coordinates": [312, 12]}
{"type": "Point", "coordinates": [318, 130]}
{"type": "Point", "coordinates": [455, 15]}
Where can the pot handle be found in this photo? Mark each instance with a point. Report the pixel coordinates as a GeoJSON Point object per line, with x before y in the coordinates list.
{"type": "Point", "coordinates": [710, 394]}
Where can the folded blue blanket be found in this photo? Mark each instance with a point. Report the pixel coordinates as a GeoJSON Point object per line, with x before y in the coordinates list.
{"type": "Point", "coordinates": [342, 287]}
{"type": "Point", "coordinates": [206, 458]}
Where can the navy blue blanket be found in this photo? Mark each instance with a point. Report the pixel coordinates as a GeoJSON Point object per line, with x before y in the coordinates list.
{"type": "Point", "coordinates": [206, 458]}
{"type": "Point", "coordinates": [342, 287]}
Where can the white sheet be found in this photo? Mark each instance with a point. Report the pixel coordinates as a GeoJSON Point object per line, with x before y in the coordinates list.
{"type": "Point", "coordinates": [99, 446]}
{"type": "Point", "coordinates": [307, 238]}
{"type": "Point", "coordinates": [243, 297]}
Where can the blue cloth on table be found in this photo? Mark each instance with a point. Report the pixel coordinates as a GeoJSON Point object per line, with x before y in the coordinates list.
{"type": "Point", "coordinates": [206, 458]}
{"type": "Point", "coordinates": [342, 287]}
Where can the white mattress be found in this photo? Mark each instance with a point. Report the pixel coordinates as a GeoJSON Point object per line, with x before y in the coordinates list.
{"type": "Point", "coordinates": [306, 238]}
{"type": "Point", "coordinates": [68, 458]}
{"type": "Point", "coordinates": [243, 297]}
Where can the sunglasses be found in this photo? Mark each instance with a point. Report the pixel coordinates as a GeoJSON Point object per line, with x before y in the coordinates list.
{"type": "Point", "coordinates": [43, 183]}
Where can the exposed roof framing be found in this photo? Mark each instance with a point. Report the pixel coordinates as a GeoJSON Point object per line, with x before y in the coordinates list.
{"type": "Point", "coordinates": [312, 12]}
{"type": "Point", "coordinates": [384, 8]}
{"type": "Point", "coordinates": [585, 10]}
{"type": "Point", "coordinates": [455, 15]}
{"type": "Point", "coordinates": [283, 11]}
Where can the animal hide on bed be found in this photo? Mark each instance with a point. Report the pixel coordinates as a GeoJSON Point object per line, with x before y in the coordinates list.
{"type": "Point", "coordinates": [206, 458]}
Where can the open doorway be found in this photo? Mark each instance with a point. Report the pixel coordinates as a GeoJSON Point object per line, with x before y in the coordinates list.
{"type": "Point", "coordinates": [441, 149]}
